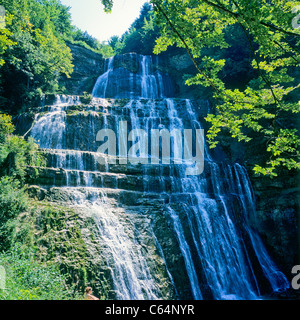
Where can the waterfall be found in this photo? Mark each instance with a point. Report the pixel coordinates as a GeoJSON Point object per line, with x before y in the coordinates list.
{"type": "Point", "coordinates": [132, 76]}
{"type": "Point", "coordinates": [131, 273]}
{"type": "Point", "coordinates": [276, 278]}
{"type": "Point", "coordinates": [186, 255]}
{"type": "Point", "coordinates": [101, 84]}
{"type": "Point", "coordinates": [137, 205]}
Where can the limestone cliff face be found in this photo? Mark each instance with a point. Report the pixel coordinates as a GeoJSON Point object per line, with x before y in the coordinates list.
{"type": "Point", "coordinates": [277, 202]}
{"type": "Point", "coordinates": [277, 220]}
{"type": "Point", "coordinates": [276, 214]}
{"type": "Point", "coordinates": [87, 66]}
{"type": "Point", "coordinates": [178, 64]}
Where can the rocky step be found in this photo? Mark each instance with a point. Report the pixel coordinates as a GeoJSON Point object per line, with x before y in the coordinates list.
{"type": "Point", "coordinates": [80, 129]}
{"type": "Point", "coordinates": [134, 120]}
{"type": "Point", "coordinates": [95, 161]}
{"type": "Point", "coordinates": [135, 201]}
{"type": "Point", "coordinates": [145, 182]}
{"type": "Point", "coordinates": [75, 178]}
{"type": "Point", "coordinates": [148, 114]}
{"type": "Point", "coordinates": [117, 197]}
{"type": "Point", "coordinates": [142, 107]}
{"type": "Point", "coordinates": [100, 162]}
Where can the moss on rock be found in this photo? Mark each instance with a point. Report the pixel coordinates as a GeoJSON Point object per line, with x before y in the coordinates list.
{"type": "Point", "coordinates": [64, 237]}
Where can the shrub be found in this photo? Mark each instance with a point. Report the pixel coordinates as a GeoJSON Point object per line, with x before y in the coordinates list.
{"type": "Point", "coordinates": [13, 200]}
{"type": "Point", "coordinates": [86, 98]}
{"type": "Point", "coordinates": [28, 279]}
{"type": "Point", "coordinates": [15, 152]}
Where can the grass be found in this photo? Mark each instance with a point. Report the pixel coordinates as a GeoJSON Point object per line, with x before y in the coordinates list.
{"type": "Point", "coordinates": [28, 279]}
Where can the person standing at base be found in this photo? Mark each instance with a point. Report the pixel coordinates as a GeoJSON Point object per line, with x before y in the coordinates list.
{"type": "Point", "coordinates": [88, 294]}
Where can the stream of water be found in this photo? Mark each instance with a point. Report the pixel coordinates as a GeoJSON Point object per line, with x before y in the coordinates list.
{"type": "Point", "coordinates": [209, 216]}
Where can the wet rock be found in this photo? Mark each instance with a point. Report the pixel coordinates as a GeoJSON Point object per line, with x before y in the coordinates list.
{"type": "Point", "coordinates": [36, 192]}
{"type": "Point", "coordinates": [87, 67]}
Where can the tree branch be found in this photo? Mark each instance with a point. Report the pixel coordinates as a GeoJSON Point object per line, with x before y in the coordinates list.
{"type": "Point", "coordinates": [282, 48]}
{"type": "Point", "coordinates": [185, 44]}
{"type": "Point", "coordinates": [255, 57]}
{"type": "Point", "coordinates": [198, 68]}
{"type": "Point", "coordinates": [236, 15]}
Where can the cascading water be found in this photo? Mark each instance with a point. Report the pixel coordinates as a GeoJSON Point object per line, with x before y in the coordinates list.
{"type": "Point", "coordinates": [207, 215]}
{"type": "Point", "coordinates": [101, 84]}
{"type": "Point", "coordinates": [132, 76]}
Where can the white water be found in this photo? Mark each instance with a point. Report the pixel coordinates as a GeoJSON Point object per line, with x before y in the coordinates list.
{"type": "Point", "coordinates": [132, 278]}
{"type": "Point", "coordinates": [209, 238]}
{"type": "Point", "coordinates": [277, 279]}
{"type": "Point", "coordinates": [141, 83]}
{"type": "Point", "coordinates": [190, 267]}
{"type": "Point", "coordinates": [101, 84]}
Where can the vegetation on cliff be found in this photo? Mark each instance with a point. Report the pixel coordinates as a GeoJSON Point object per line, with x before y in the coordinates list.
{"type": "Point", "coordinates": [41, 246]}
{"type": "Point", "coordinates": [27, 279]}
{"type": "Point", "coordinates": [262, 106]}
{"type": "Point", "coordinates": [18, 261]}
{"type": "Point", "coordinates": [34, 52]}
{"type": "Point", "coordinates": [140, 37]}
{"type": "Point", "coordinates": [268, 97]}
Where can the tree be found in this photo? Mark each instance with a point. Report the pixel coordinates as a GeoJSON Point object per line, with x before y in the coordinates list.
{"type": "Point", "coordinates": [264, 106]}
{"type": "Point", "coordinates": [5, 41]}
{"type": "Point", "coordinates": [108, 4]}
{"type": "Point", "coordinates": [38, 54]}
{"type": "Point", "coordinates": [141, 36]}
{"type": "Point", "coordinates": [266, 100]}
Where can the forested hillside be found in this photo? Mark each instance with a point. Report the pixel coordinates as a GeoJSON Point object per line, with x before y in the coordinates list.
{"type": "Point", "coordinates": [34, 56]}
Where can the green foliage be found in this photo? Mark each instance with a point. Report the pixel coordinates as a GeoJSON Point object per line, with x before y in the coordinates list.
{"type": "Point", "coordinates": [13, 201]}
{"type": "Point", "coordinates": [12, 198]}
{"type": "Point", "coordinates": [82, 38]}
{"type": "Point", "coordinates": [108, 4]}
{"type": "Point", "coordinates": [15, 152]}
{"type": "Point", "coordinates": [53, 232]}
{"type": "Point", "coordinates": [36, 54]}
{"type": "Point", "coordinates": [28, 279]}
{"type": "Point", "coordinates": [141, 36]}
{"type": "Point", "coordinates": [86, 98]}
{"type": "Point", "coordinates": [6, 127]}
{"type": "Point", "coordinates": [286, 142]}
{"type": "Point", "coordinates": [23, 153]}
{"type": "Point", "coordinates": [106, 50]}
{"type": "Point", "coordinates": [261, 102]}
{"type": "Point", "coordinates": [5, 40]}
{"type": "Point", "coordinates": [116, 44]}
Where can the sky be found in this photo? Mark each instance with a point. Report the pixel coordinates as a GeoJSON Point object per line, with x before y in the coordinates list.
{"type": "Point", "coordinates": [88, 15]}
